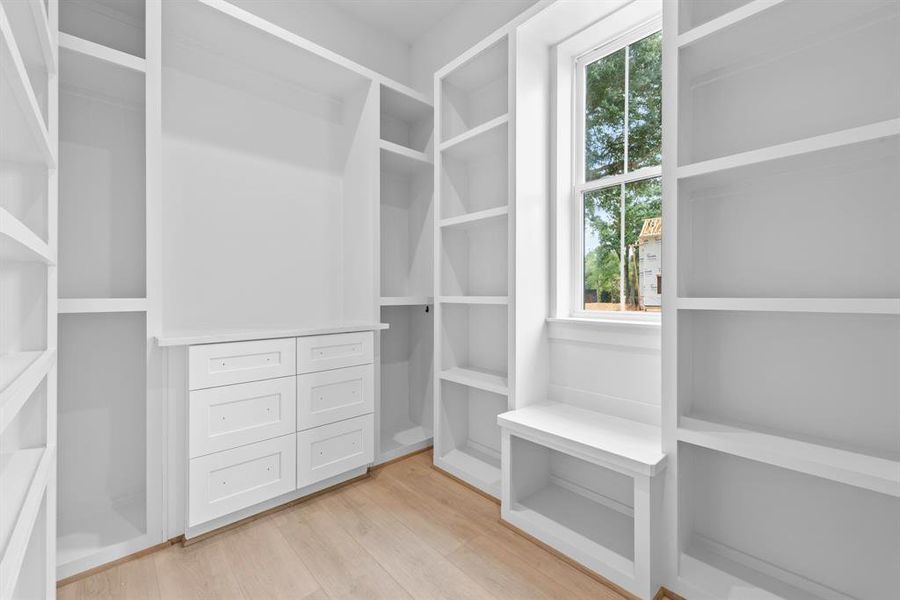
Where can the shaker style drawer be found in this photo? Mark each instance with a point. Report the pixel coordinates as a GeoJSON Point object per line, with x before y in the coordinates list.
{"type": "Point", "coordinates": [224, 482]}
{"type": "Point", "coordinates": [212, 365]}
{"type": "Point", "coordinates": [333, 449]}
{"type": "Point", "coordinates": [226, 417]}
{"type": "Point", "coordinates": [330, 396]}
{"type": "Point", "coordinates": [324, 352]}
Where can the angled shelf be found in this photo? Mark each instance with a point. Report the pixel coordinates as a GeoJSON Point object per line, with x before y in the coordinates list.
{"type": "Point", "coordinates": [28, 18]}
{"type": "Point", "coordinates": [406, 120]}
{"type": "Point", "coordinates": [870, 306]}
{"type": "Point", "coordinates": [851, 468]}
{"type": "Point", "coordinates": [406, 300]}
{"type": "Point", "coordinates": [101, 305]}
{"type": "Point", "coordinates": [498, 300]}
{"type": "Point", "coordinates": [481, 379]}
{"type": "Point", "coordinates": [96, 51]}
{"type": "Point", "coordinates": [487, 138]}
{"type": "Point", "coordinates": [18, 243]}
{"type": "Point", "coordinates": [20, 374]}
{"type": "Point", "coordinates": [723, 22]}
{"type": "Point", "coordinates": [400, 159]}
{"type": "Point", "coordinates": [475, 219]}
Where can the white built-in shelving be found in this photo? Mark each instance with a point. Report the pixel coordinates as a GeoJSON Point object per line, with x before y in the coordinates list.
{"type": "Point", "coordinates": [28, 252]}
{"type": "Point", "coordinates": [777, 355]}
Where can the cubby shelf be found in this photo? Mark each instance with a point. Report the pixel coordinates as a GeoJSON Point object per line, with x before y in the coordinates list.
{"type": "Point", "coordinates": [473, 465]}
{"type": "Point", "coordinates": [843, 466]}
{"type": "Point", "coordinates": [874, 306]}
{"type": "Point", "coordinates": [480, 140]}
{"type": "Point", "coordinates": [474, 299]}
{"type": "Point", "coordinates": [29, 18]}
{"type": "Point", "coordinates": [475, 219]}
{"type": "Point", "coordinates": [101, 305]}
{"type": "Point", "coordinates": [400, 159]}
{"type": "Point", "coordinates": [478, 378]}
{"type": "Point", "coordinates": [725, 21]}
{"type": "Point", "coordinates": [406, 300]}
{"type": "Point", "coordinates": [27, 139]}
{"type": "Point", "coordinates": [99, 52]}
{"type": "Point", "coordinates": [20, 374]}
{"type": "Point", "coordinates": [18, 243]}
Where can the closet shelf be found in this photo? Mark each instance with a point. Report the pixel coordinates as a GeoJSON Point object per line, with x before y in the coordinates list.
{"type": "Point", "coordinates": [24, 130]}
{"type": "Point", "coordinates": [99, 52]}
{"type": "Point", "coordinates": [406, 300]}
{"type": "Point", "coordinates": [18, 243]}
{"type": "Point", "coordinates": [488, 381]}
{"type": "Point", "coordinates": [474, 299]}
{"type": "Point", "coordinates": [36, 48]}
{"type": "Point", "coordinates": [473, 466]}
{"type": "Point", "coordinates": [475, 219]}
{"type": "Point", "coordinates": [20, 374]}
{"type": "Point", "coordinates": [874, 306]}
{"type": "Point", "coordinates": [101, 305]}
{"type": "Point", "coordinates": [487, 138]}
{"type": "Point", "coordinates": [843, 466]}
{"type": "Point", "coordinates": [23, 479]}
{"type": "Point", "coordinates": [404, 106]}
{"type": "Point", "coordinates": [591, 435]}
{"type": "Point", "coordinates": [828, 141]}
{"type": "Point", "coordinates": [400, 159]}
{"type": "Point", "coordinates": [727, 20]}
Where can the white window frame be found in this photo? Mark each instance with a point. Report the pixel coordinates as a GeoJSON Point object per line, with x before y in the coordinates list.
{"type": "Point", "coordinates": [580, 186]}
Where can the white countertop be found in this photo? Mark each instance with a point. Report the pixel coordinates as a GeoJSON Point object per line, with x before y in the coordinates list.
{"type": "Point", "coordinates": [191, 338]}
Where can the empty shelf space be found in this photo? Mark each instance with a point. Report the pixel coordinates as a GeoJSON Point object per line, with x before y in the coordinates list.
{"type": "Point", "coordinates": [84, 542]}
{"type": "Point", "coordinates": [476, 91]}
{"type": "Point", "coordinates": [406, 300]}
{"type": "Point", "coordinates": [405, 120]}
{"type": "Point", "coordinates": [116, 25]}
{"type": "Point", "coordinates": [88, 49]}
{"type": "Point", "coordinates": [20, 374]}
{"type": "Point", "coordinates": [475, 219]}
{"type": "Point", "coordinates": [478, 378]}
{"type": "Point", "coordinates": [722, 22]}
{"type": "Point", "coordinates": [18, 243]}
{"type": "Point", "coordinates": [498, 300]}
{"type": "Point", "coordinates": [17, 472]}
{"type": "Point", "coordinates": [473, 466]}
{"type": "Point", "coordinates": [611, 440]}
{"type": "Point", "coordinates": [400, 438]}
{"type": "Point", "coordinates": [101, 305]}
{"type": "Point", "coordinates": [487, 138]}
{"type": "Point", "coordinates": [399, 159]}
{"type": "Point", "coordinates": [28, 19]}
{"type": "Point", "coordinates": [873, 306]}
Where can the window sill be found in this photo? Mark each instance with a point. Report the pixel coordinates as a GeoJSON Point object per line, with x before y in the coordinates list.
{"type": "Point", "coordinates": [631, 333]}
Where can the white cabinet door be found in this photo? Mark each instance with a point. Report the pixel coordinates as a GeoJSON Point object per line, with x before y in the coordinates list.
{"type": "Point", "coordinates": [330, 396]}
{"type": "Point", "coordinates": [211, 365]}
{"type": "Point", "coordinates": [226, 417]}
{"type": "Point", "coordinates": [227, 481]}
{"type": "Point", "coordinates": [324, 352]}
{"type": "Point", "coordinates": [333, 449]}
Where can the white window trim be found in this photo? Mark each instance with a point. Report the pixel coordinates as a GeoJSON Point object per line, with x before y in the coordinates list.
{"type": "Point", "coordinates": [573, 122]}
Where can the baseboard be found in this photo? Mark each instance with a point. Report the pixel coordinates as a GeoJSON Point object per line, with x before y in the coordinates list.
{"type": "Point", "coordinates": [475, 489]}
{"type": "Point", "coordinates": [409, 454]}
{"type": "Point", "coordinates": [100, 568]}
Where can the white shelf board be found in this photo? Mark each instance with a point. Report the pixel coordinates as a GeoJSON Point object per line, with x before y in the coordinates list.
{"type": "Point", "coordinates": [590, 435]}
{"type": "Point", "coordinates": [488, 381]}
{"type": "Point", "coordinates": [873, 306]}
{"type": "Point", "coordinates": [25, 133]}
{"type": "Point", "coordinates": [399, 439]}
{"type": "Point", "coordinates": [404, 106]}
{"type": "Point", "coordinates": [474, 299]}
{"type": "Point", "coordinates": [190, 338]}
{"type": "Point", "coordinates": [100, 538]}
{"type": "Point", "coordinates": [28, 19]}
{"type": "Point", "coordinates": [20, 374]}
{"type": "Point", "coordinates": [96, 51]}
{"type": "Point", "coordinates": [487, 138]}
{"type": "Point", "coordinates": [843, 466]}
{"type": "Point", "coordinates": [729, 19]}
{"type": "Point", "coordinates": [474, 467]}
{"type": "Point", "coordinates": [101, 305]}
{"type": "Point", "coordinates": [23, 477]}
{"type": "Point", "coordinates": [475, 72]}
{"type": "Point", "coordinates": [406, 161]}
{"type": "Point", "coordinates": [406, 300]}
{"type": "Point", "coordinates": [476, 219]}
{"type": "Point", "coordinates": [828, 141]}
{"type": "Point", "coordinates": [18, 243]}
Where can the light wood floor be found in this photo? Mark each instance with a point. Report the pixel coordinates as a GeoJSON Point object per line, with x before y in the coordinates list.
{"type": "Point", "coordinates": [405, 532]}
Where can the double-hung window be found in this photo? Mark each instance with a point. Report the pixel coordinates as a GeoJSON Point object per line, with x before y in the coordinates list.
{"type": "Point", "coordinates": [617, 188]}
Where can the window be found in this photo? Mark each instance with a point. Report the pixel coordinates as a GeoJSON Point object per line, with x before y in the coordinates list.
{"type": "Point", "coordinates": [617, 179]}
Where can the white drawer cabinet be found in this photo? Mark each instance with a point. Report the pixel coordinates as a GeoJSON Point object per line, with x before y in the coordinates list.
{"type": "Point", "coordinates": [325, 352]}
{"type": "Point", "coordinates": [234, 415]}
{"type": "Point", "coordinates": [227, 481]}
{"type": "Point", "coordinates": [330, 450]}
{"type": "Point", "coordinates": [329, 396]}
{"type": "Point", "coordinates": [212, 365]}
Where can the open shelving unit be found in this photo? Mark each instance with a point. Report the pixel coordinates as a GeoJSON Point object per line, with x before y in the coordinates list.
{"type": "Point", "coordinates": [28, 275]}
{"type": "Point", "coordinates": [472, 262]}
{"type": "Point", "coordinates": [406, 216]}
{"type": "Point", "coordinates": [778, 371]}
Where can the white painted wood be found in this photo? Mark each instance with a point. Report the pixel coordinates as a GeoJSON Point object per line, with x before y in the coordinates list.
{"type": "Point", "coordinates": [871, 306]}
{"type": "Point", "coordinates": [329, 450]}
{"type": "Point", "coordinates": [227, 481]}
{"type": "Point", "coordinates": [397, 158]}
{"type": "Point", "coordinates": [723, 22]}
{"type": "Point", "coordinates": [406, 300]}
{"type": "Point", "coordinates": [192, 338]}
{"type": "Point", "coordinates": [320, 353]}
{"type": "Point", "coordinates": [237, 362]}
{"type": "Point", "coordinates": [119, 26]}
{"type": "Point", "coordinates": [329, 396]}
{"type": "Point", "coordinates": [30, 22]}
{"type": "Point", "coordinates": [18, 243]}
{"type": "Point", "coordinates": [226, 417]}
{"type": "Point", "coordinates": [483, 380]}
{"type": "Point", "coordinates": [101, 305]}
{"type": "Point", "coordinates": [406, 120]}
{"type": "Point", "coordinates": [476, 218]}
{"type": "Point", "coordinates": [478, 141]}
{"type": "Point", "coordinates": [20, 374]}
{"type": "Point", "coordinates": [94, 50]}
{"type": "Point", "coordinates": [489, 300]}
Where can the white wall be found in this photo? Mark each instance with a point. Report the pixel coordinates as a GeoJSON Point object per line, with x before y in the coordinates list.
{"type": "Point", "coordinates": [465, 26]}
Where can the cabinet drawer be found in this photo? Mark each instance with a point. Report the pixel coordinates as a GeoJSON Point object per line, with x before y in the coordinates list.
{"type": "Point", "coordinates": [331, 396]}
{"type": "Point", "coordinates": [234, 415]}
{"type": "Point", "coordinates": [227, 481]}
{"type": "Point", "coordinates": [324, 352]}
{"type": "Point", "coordinates": [333, 449]}
{"type": "Point", "coordinates": [238, 362]}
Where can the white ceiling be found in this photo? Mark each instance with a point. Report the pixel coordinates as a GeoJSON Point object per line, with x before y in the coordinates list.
{"type": "Point", "coordinates": [406, 20]}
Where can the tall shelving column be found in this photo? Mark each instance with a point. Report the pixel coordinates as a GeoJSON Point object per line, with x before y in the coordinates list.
{"type": "Point", "coordinates": [28, 251]}
{"type": "Point", "coordinates": [474, 256]}
{"type": "Point", "coordinates": [406, 216]}
{"type": "Point", "coordinates": [110, 474]}
{"type": "Point", "coordinates": [781, 338]}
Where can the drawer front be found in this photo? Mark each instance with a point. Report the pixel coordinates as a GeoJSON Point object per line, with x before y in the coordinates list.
{"type": "Point", "coordinates": [324, 352]}
{"type": "Point", "coordinates": [212, 365]}
{"type": "Point", "coordinates": [331, 396]}
{"type": "Point", "coordinates": [226, 417]}
{"type": "Point", "coordinates": [333, 449]}
{"type": "Point", "coordinates": [224, 482]}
